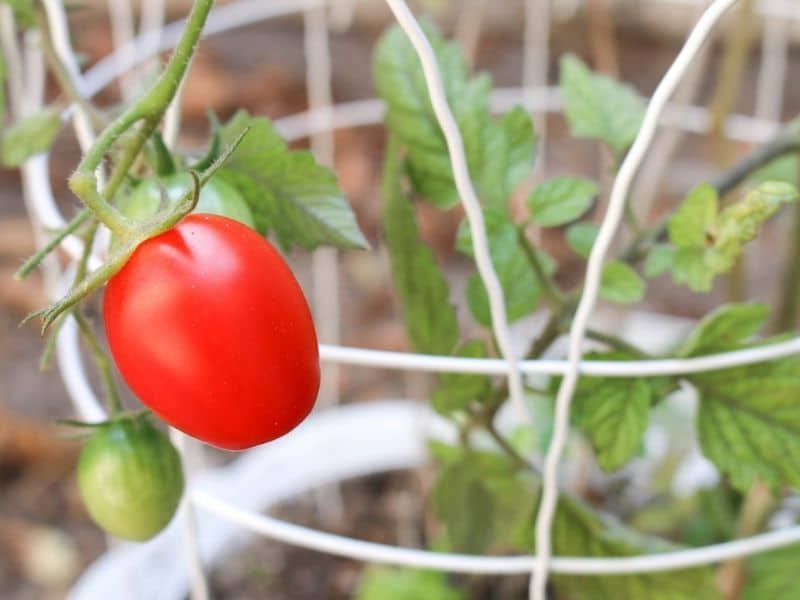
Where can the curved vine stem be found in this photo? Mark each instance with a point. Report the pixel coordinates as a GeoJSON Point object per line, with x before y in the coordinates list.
{"type": "Point", "coordinates": [150, 109]}
{"type": "Point", "coordinates": [102, 361]}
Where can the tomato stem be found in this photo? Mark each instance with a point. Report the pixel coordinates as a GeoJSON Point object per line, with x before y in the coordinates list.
{"type": "Point", "coordinates": [554, 296]}
{"type": "Point", "coordinates": [102, 361]}
{"type": "Point", "coordinates": [76, 223]}
{"type": "Point", "coordinates": [150, 109]}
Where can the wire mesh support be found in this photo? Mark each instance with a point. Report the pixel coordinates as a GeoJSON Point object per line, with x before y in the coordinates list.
{"type": "Point", "coordinates": [616, 205]}
{"type": "Point", "coordinates": [469, 199]}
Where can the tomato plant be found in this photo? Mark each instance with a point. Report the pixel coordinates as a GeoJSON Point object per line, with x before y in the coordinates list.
{"type": "Point", "coordinates": [211, 330]}
{"type": "Point", "coordinates": [216, 197]}
{"type": "Point", "coordinates": [130, 477]}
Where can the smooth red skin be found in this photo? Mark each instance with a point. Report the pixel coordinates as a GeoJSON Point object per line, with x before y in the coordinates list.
{"type": "Point", "coordinates": [211, 330]}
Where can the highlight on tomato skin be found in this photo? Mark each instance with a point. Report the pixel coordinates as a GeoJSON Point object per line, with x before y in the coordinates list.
{"type": "Point", "coordinates": [130, 478]}
{"type": "Point", "coordinates": [211, 330]}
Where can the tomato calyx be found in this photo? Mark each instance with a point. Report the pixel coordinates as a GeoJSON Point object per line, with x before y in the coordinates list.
{"type": "Point", "coordinates": [217, 197]}
{"type": "Point", "coordinates": [131, 415]}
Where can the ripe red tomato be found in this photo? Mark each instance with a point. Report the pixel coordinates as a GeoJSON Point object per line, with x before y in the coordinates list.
{"type": "Point", "coordinates": [211, 330]}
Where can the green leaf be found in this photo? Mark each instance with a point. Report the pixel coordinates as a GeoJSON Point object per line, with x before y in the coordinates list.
{"type": "Point", "coordinates": [581, 237]}
{"type": "Point", "coordinates": [714, 516]}
{"type": "Point", "coordinates": [659, 260]}
{"type": "Point", "coordinates": [288, 192]}
{"type": "Point", "coordinates": [29, 136]}
{"type": "Point", "coordinates": [430, 319]}
{"type": "Point", "coordinates": [707, 242]}
{"type": "Point", "coordinates": [599, 107]}
{"type": "Point", "coordinates": [614, 416]}
{"type": "Point", "coordinates": [579, 531]}
{"type": "Point", "coordinates": [773, 575]}
{"type": "Point", "coordinates": [464, 504]}
{"type": "Point", "coordinates": [688, 266]}
{"type": "Point", "coordinates": [521, 286]}
{"type": "Point", "coordinates": [724, 328]}
{"type": "Point", "coordinates": [614, 412]}
{"type": "Point", "coordinates": [520, 148]}
{"type": "Point", "coordinates": [457, 391]}
{"type": "Point", "coordinates": [560, 200]}
{"type": "Point", "coordinates": [620, 283]}
{"type": "Point", "coordinates": [499, 154]}
{"type": "Point", "coordinates": [481, 500]}
{"type": "Point", "coordinates": [689, 225]}
{"type": "Point", "coordinates": [784, 168]}
{"type": "Point", "coordinates": [384, 583]}
{"type": "Point", "coordinates": [749, 422]}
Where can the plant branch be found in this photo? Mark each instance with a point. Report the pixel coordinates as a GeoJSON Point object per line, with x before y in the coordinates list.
{"type": "Point", "coordinates": [758, 502]}
{"type": "Point", "coordinates": [519, 460]}
{"type": "Point", "coordinates": [554, 296]}
{"type": "Point", "coordinates": [616, 342]}
{"type": "Point", "coordinates": [785, 142]}
{"type": "Point", "coordinates": [102, 361]}
{"type": "Point", "coordinates": [550, 332]}
{"type": "Point", "coordinates": [76, 223]}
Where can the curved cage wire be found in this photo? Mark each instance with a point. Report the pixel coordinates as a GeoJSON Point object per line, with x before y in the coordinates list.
{"type": "Point", "coordinates": [134, 48]}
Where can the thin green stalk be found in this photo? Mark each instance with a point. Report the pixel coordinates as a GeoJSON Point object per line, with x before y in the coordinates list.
{"type": "Point", "coordinates": [88, 243]}
{"type": "Point", "coordinates": [551, 331]}
{"type": "Point", "coordinates": [76, 223]}
{"type": "Point", "coordinates": [102, 361]}
{"type": "Point", "coordinates": [129, 154]}
{"type": "Point", "coordinates": [553, 295]}
{"type": "Point", "coordinates": [519, 460]}
{"type": "Point", "coordinates": [485, 418]}
{"type": "Point", "coordinates": [616, 342]}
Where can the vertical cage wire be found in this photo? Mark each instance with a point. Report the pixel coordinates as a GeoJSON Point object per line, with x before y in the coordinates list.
{"type": "Point", "coordinates": [469, 200]}
{"type": "Point", "coordinates": [577, 333]}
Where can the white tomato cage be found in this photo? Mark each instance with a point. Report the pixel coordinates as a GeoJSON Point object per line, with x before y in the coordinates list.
{"type": "Point", "coordinates": [222, 504]}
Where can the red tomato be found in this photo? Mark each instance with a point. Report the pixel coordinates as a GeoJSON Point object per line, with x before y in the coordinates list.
{"type": "Point", "coordinates": [211, 330]}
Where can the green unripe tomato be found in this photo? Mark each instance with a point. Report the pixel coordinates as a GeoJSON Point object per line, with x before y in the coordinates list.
{"type": "Point", "coordinates": [130, 478]}
{"type": "Point", "coordinates": [216, 198]}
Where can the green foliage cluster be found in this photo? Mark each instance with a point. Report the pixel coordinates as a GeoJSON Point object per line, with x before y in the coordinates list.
{"type": "Point", "coordinates": [486, 492]}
